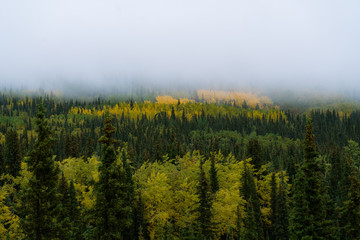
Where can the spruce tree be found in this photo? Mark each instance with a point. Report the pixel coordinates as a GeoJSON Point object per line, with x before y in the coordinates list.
{"type": "Point", "coordinates": [12, 156]}
{"type": "Point", "coordinates": [112, 214]}
{"type": "Point", "coordinates": [139, 222]}
{"type": "Point", "coordinates": [69, 212]}
{"type": "Point", "coordinates": [39, 202]}
{"type": "Point", "coordinates": [253, 225]}
{"type": "Point", "coordinates": [281, 224]}
{"type": "Point", "coordinates": [299, 207]}
{"type": "Point", "coordinates": [351, 210]}
{"type": "Point", "coordinates": [250, 231]}
{"type": "Point", "coordinates": [204, 208]}
{"type": "Point", "coordinates": [308, 217]}
{"type": "Point", "coordinates": [129, 231]}
{"type": "Point", "coordinates": [273, 206]}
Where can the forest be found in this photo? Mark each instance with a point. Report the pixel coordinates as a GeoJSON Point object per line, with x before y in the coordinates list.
{"type": "Point", "coordinates": [205, 165]}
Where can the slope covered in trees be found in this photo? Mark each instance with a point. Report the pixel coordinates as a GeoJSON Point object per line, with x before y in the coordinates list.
{"type": "Point", "coordinates": [176, 169]}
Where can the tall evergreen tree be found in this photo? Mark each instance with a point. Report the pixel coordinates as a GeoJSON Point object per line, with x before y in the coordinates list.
{"type": "Point", "coordinates": [204, 208]}
{"type": "Point", "coordinates": [253, 225]}
{"type": "Point", "coordinates": [129, 231]}
{"type": "Point", "coordinates": [281, 224]}
{"type": "Point", "coordinates": [299, 208]}
{"type": "Point", "coordinates": [69, 212]}
{"type": "Point", "coordinates": [250, 226]}
{"type": "Point", "coordinates": [12, 156]}
{"type": "Point", "coordinates": [351, 210]}
{"type": "Point", "coordinates": [39, 202]}
{"type": "Point", "coordinates": [112, 215]}
{"type": "Point", "coordinates": [139, 222]}
{"type": "Point", "coordinates": [308, 217]}
{"type": "Point", "coordinates": [273, 206]}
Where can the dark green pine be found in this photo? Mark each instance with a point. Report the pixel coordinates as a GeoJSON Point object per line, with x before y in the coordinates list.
{"type": "Point", "coordinates": [12, 156]}
{"type": "Point", "coordinates": [139, 222]}
{"type": "Point", "coordinates": [204, 208]}
{"type": "Point", "coordinates": [308, 217]}
{"type": "Point", "coordinates": [250, 231]}
{"type": "Point", "coordinates": [351, 209]}
{"type": "Point", "coordinates": [213, 174]}
{"type": "Point", "coordinates": [281, 224]}
{"type": "Point", "coordinates": [129, 231]}
{"type": "Point", "coordinates": [69, 211]}
{"type": "Point", "coordinates": [249, 193]}
{"type": "Point", "coordinates": [273, 206]}
{"type": "Point", "coordinates": [112, 213]}
{"type": "Point", "coordinates": [39, 205]}
{"type": "Point", "coordinates": [299, 208]}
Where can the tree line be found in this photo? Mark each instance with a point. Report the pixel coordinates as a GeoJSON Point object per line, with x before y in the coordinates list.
{"type": "Point", "coordinates": [189, 171]}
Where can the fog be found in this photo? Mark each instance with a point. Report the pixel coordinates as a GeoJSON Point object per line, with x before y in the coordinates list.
{"type": "Point", "coordinates": [195, 43]}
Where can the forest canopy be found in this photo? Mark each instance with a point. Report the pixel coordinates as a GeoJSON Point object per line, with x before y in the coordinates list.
{"type": "Point", "coordinates": [209, 165]}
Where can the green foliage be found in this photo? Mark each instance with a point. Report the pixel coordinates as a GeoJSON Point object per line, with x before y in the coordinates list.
{"type": "Point", "coordinates": [83, 173]}
{"type": "Point", "coordinates": [353, 151]}
{"type": "Point", "coordinates": [153, 180]}
{"type": "Point", "coordinates": [281, 223]}
{"type": "Point", "coordinates": [112, 213]}
{"type": "Point", "coordinates": [39, 201]}
{"type": "Point", "coordinates": [352, 207]}
{"type": "Point", "coordinates": [253, 224]}
{"type": "Point", "coordinates": [308, 216]}
{"type": "Point", "coordinates": [9, 221]}
{"type": "Point", "coordinates": [273, 206]}
{"type": "Point", "coordinates": [204, 208]}
{"type": "Point", "coordinates": [213, 175]}
{"type": "Point", "coordinates": [350, 210]}
{"type": "Point", "coordinates": [254, 152]}
{"type": "Point", "coordinates": [250, 230]}
{"type": "Point", "coordinates": [129, 198]}
{"type": "Point", "coordinates": [2, 164]}
{"type": "Point", "coordinates": [69, 210]}
{"type": "Point", "coordinates": [12, 157]}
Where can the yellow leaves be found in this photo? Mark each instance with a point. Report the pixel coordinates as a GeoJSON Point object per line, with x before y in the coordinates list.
{"type": "Point", "coordinates": [213, 96]}
{"type": "Point", "coordinates": [166, 99]}
{"type": "Point", "coordinates": [170, 100]}
{"type": "Point", "coordinates": [156, 193]}
{"type": "Point", "coordinates": [157, 182]}
{"type": "Point", "coordinates": [190, 108]}
{"type": "Point", "coordinates": [264, 189]}
{"type": "Point", "coordinates": [84, 174]}
{"type": "Point", "coordinates": [25, 175]}
{"type": "Point", "coordinates": [9, 222]}
{"type": "Point", "coordinates": [169, 192]}
{"type": "Point", "coordinates": [227, 199]}
{"type": "Point", "coordinates": [225, 206]}
{"type": "Point", "coordinates": [2, 139]}
{"type": "Point", "coordinates": [74, 110]}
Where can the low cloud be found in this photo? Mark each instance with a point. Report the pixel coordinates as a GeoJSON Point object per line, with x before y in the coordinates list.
{"type": "Point", "coordinates": [226, 44]}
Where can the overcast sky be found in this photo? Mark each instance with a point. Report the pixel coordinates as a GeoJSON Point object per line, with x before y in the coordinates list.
{"type": "Point", "coordinates": [224, 42]}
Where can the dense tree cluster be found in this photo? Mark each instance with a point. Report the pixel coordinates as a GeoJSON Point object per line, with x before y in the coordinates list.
{"type": "Point", "coordinates": [99, 169]}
